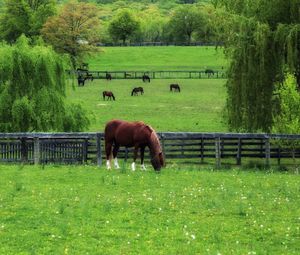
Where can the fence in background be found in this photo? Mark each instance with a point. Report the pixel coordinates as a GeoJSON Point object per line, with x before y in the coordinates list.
{"type": "Point", "coordinates": [217, 74]}
{"type": "Point", "coordinates": [88, 148]}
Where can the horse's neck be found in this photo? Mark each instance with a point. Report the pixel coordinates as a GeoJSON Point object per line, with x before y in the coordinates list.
{"type": "Point", "coordinates": [154, 144]}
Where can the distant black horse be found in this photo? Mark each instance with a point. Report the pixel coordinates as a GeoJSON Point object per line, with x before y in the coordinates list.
{"type": "Point", "coordinates": [108, 76]}
{"type": "Point", "coordinates": [209, 72]}
{"type": "Point", "coordinates": [146, 78]}
{"type": "Point", "coordinates": [174, 87]}
{"type": "Point", "coordinates": [81, 80]}
{"type": "Point", "coordinates": [109, 95]}
{"type": "Point", "coordinates": [136, 91]}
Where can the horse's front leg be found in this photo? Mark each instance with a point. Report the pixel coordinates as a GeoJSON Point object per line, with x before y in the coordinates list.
{"type": "Point", "coordinates": [142, 158]}
{"type": "Point", "coordinates": [115, 152]}
{"type": "Point", "coordinates": [108, 147]}
{"type": "Point", "coordinates": [135, 154]}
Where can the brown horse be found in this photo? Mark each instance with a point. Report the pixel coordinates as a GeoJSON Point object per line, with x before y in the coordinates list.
{"type": "Point", "coordinates": [109, 95]}
{"type": "Point", "coordinates": [132, 134]}
{"type": "Point", "coordinates": [136, 91]}
{"type": "Point", "coordinates": [174, 87]}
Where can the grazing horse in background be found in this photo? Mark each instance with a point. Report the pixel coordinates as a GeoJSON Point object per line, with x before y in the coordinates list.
{"type": "Point", "coordinates": [109, 95]}
{"type": "Point", "coordinates": [209, 72]}
{"type": "Point", "coordinates": [146, 78]}
{"type": "Point", "coordinates": [136, 91]}
{"type": "Point", "coordinates": [108, 76]}
{"type": "Point", "coordinates": [132, 134]}
{"type": "Point", "coordinates": [81, 80]}
{"type": "Point", "coordinates": [174, 87]}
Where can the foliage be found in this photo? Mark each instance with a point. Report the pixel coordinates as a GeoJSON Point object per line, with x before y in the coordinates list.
{"type": "Point", "coordinates": [32, 90]}
{"type": "Point", "coordinates": [74, 30]}
{"type": "Point", "coordinates": [185, 22]}
{"type": "Point", "coordinates": [262, 45]}
{"type": "Point", "coordinates": [288, 119]}
{"type": "Point", "coordinates": [123, 26]}
{"type": "Point", "coordinates": [85, 209]}
{"type": "Point", "coordinates": [24, 17]}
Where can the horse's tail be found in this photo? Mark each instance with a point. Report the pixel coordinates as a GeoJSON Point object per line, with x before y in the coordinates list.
{"type": "Point", "coordinates": [113, 96]}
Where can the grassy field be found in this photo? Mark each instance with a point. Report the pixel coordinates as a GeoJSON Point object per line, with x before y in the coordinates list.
{"type": "Point", "coordinates": [197, 108]}
{"type": "Point", "coordinates": [157, 58]}
{"type": "Point", "coordinates": [87, 210]}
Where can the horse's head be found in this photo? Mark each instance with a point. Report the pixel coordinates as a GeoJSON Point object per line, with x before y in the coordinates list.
{"type": "Point", "coordinates": [158, 161]}
{"type": "Point", "coordinates": [157, 157]}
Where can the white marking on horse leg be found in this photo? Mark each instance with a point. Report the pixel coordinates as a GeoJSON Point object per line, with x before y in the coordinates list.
{"type": "Point", "coordinates": [116, 163]}
{"type": "Point", "coordinates": [133, 166]}
{"type": "Point", "coordinates": [108, 166]}
{"type": "Point", "coordinates": [143, 167]}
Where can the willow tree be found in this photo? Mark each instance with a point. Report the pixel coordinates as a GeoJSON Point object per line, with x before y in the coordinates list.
{"type": "Point", "coordinates": [32, 91]}
{"type": "Point", "coordinates": [264, 46]}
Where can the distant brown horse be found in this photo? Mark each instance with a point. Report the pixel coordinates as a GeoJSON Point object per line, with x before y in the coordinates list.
{"type": "Point", "coordinates": [109, 95]}
{"type": "Point", "coordinates": [174, 87]}
{"type": "Point", "coordinates": [132, 134]}
{"type": "Point", "coordinates": [136, 91]}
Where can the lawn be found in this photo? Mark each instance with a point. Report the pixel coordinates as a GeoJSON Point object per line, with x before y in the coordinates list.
{"type": "Point", "coordinates": [198, 107]}
{"type": "Point", "coordinates": [87, 210]}
{"type": "Point", "coordinates": [165, 58]}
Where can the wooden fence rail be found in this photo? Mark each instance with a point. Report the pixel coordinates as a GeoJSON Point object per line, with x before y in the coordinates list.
{"type": "Point", "coordinates": [84, 148]}
{"type": "Point", "coordinates": [218, 74]}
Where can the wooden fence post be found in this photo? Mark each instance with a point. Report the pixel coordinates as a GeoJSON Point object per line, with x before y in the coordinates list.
{"type": "Point", "coordinates": [267, 152]}
{"type": "Point", "coordinates": [24, 150]}
{"type": "Point", "coordinates": [218, 151]}
{"type": "Point", "coordinates": [239, 151]}
{"type": "Point", "coordinates": [99, 152]}
{"type": "Point", "coordinates": [36, 150]}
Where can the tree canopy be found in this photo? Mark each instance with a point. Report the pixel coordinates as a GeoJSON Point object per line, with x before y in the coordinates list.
{"type": "Point", "coordinates": [32, 91]}
{"type": "Point", "coordinates": [24, 17]}
{"type": "Point", "coordinates": [124, 26]}
{"type": "Point", "coordinates": [74, 31]}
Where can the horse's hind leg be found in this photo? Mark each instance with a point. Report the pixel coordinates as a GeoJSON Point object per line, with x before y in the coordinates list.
{"type": "Point", "coordinates": [115, 152]}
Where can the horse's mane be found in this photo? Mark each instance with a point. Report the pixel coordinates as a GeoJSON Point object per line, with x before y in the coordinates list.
{"type": "Point", "coordinates": [155, 144]}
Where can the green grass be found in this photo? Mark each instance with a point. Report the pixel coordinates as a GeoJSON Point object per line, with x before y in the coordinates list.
{"type": "Point", "coordinates": [197, 108]}
{"type": "Point", "coordinates": [87, 210]}
{"type": "Point", "coordinates": [157, 58]}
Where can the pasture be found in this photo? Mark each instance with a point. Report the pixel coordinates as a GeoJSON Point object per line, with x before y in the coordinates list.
{"type": "Point", "coordinates": [87, 210]}
{"type": "Point", "coordinates": [157, 58]}
{"type": "Point", "coordinates": [198, 107]}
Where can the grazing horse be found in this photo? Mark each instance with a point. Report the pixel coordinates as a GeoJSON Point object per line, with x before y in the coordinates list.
{"type": "Point", "coordinates": [136, 91]}
{"type": "Point", "coordinates": [109, 95]}
{"type": "Point", "coordinates": [108, 76]}
{"type": "Point", "coordinates": [132, 134]}
{"type": "Point", "coordinates": [146, 78]}
{"type": "Point", "coordinates": [174, 87]}
{"type": "Point", "coordinates": [209, 72]}
{"type": "Point", "coordinates": [81, 80]}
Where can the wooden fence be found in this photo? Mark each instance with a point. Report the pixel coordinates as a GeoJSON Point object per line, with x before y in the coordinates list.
{"type": "Point", "coordinates": [88, 148]}
{"type": "Point", "coordinates": [218, 74]}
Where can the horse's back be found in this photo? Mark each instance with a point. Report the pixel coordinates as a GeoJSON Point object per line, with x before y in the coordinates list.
{"type": "Point", "coordinates": [127, 133]}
